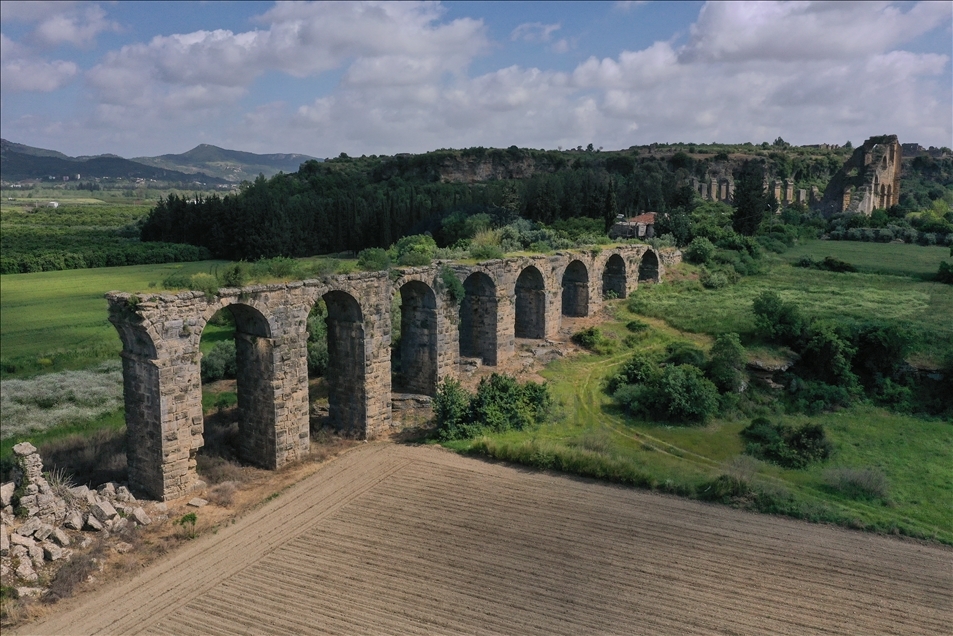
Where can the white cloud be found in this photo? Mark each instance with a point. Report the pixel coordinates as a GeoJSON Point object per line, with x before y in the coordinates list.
{"type": "Point", "coordinates": [75, 27]}
{"type": "Point", "coordinates": [19, 71]}
{"type": "Point", "coordinates": [739, 31]}
{"type": "Point", "coordinates": [534, 32]}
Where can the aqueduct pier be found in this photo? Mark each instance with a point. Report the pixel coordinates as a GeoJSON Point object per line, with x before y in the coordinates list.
{"type": "Point", "coordinates": [522, 297]}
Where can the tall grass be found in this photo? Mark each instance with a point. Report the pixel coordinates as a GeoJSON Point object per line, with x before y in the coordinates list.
{"type": "Point", "coordinates": [48, 401]}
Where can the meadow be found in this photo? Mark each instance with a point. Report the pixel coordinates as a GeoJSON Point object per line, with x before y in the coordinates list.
{"type": "Point", "coordinates": [58, 320]}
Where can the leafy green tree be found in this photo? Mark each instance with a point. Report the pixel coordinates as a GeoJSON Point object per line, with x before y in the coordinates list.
{"type": "Point", "coordinates": [726, 367]}
{"type": "Point", "coordinates": [751, 200]}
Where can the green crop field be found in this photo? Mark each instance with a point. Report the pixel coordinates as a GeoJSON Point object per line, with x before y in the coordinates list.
{"type": "Point", "coordinates": [58, 320]}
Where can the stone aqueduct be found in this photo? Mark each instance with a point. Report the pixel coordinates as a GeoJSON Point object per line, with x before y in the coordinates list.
{"type": "Point", "coordinates": [521, 297]}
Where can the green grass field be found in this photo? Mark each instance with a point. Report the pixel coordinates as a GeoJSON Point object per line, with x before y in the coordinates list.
{"type": "Point", "coordinates": [915, 454]}
{"type": "Point", "coordinates": [58, 320]}
{"type": "Point", "coordinates": [926, 307]}
{"type": "Point", "coordinates": [892, 259]}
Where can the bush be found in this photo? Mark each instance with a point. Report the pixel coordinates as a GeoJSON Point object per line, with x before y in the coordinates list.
{"type": "Point", "coordinates": [700, 250]}
{"type": "Point", "coordinates": [415, 250]}
{"type": "Point", "coordinates": [827, 356]}
{"type": "Point", "coordinates": [727, 363]}
{"type": "Point", "coordinates": [945, 273]}
{"type": "Point", "coordinates": [639, 369]}
{"type": "Point", "coordinates": [454, 287]}
{"type": "Point", "coordinates": [485, 252]}
{"type": "Point", "coordinates": [500, 404]}
{"type": "Point", "coordinates": [858, 483]}
{"type": "Point", "coordinates": [219, 363]}
{"type": "Point", "coordinates": [593, 340]}
{"type": "Point", "coordinates": [680, 394]}
{"type": "Point", "coordinates": [317, 357]}
{"type": "Point", "coordinates": [234, 275]}
{"type": "Point", "coordinates": [684, 352]}
{"type": "Point", "coordinates": [373, 259]}
{"type": "Point", "coordinates": [637, 326]}
{"type": "Point", "coordinates": [785, 445]}
{"type": "Point", "coordinates": [714, 279]}
{"type": "Point", "coordinates": [777, 320]}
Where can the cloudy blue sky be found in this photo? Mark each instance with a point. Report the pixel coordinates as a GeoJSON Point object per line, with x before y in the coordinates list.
{"type": "Point", "coordinates": [136, 79]}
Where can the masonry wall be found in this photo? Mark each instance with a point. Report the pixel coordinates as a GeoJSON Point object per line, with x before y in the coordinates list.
{"type": "Point", "coordinates": [161, 355]}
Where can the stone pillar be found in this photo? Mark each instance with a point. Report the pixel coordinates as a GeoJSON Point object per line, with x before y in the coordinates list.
{"type": "Point", "coordinates": [375, 298]}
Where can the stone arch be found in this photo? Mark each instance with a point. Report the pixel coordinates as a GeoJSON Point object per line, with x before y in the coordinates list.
{"type": "Point", "coordinates": [418, 337]}
{"type": "Point", "coordinates": [347, 369]}
{"type": "Point", "coordinates": [530, 304]}
{"type": "Point", "coordinates": [575, 284]}
{"type": "Point", "coordinates": [478, 318]}
{"type": "Point", "coordinates": [613, 277]}
{"type": "Point", "coordinates": [255, 370]}
{"type": "Point", "coordinates": [649, 267]}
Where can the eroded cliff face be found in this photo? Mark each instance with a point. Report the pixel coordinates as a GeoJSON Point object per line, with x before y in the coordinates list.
{"type": "Point", "coordinates": [869, 180]}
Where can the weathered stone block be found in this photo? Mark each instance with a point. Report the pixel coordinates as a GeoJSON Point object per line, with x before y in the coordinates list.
{"type": "Point", "coordinates": [6, 493]}
{"type": "Point", "coordinates": [103, 511]}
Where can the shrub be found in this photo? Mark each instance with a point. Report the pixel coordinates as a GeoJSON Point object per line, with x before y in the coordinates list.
{"type": "Point", "coordinates": [785, 445]}
{"type": "Point", "coordinates": [727, 363]}
{"type": "Point", "coordinates": [187, 523]}
{"type": "Point", "coordinates": [234, 275]}
{"type": "Point", "coordinates": [317, 357]}
{"type": "Point", "coordinates": [485, 252]}
{"type": "Point", "coordinates": [700, 250]}
{"type": "Point", "coordinates": [680, 394]}
{"type": "Point", "coordinates": [684, 352]}
{"type": "Point", "coordinates": [778, 320]}
{"type": "Point", "coordinates": [223, 494]}
{"type": "Point", "coordinates": [373, 259]}
{"type": "Point", "coordinates": [204, 283]}
{"type": "Point", "coordinates": [220, 362]}
{"type": "Point", "coordinates": [832, 264]}
{"type": "Point", "coordinates": [714, 279]}
{"type": "Point", "coordinates": [453, 285]}
{"type": "Point", "coordinates": [638, 369]}
{"type": "Point", "coordinates": [858, 483]}
{"type": "Point", "coordinates": [415, 250]}
{"type": "Point", "coordinates": [637, 326]}
{"type": "Point", "coordinates": [593, 340]}
{"type": "Point", "coordinates": [827, 356]}
{"type": "Point", "coordinates": [500, 404]}
{"type": "Point", "coordinates": [945, 273]}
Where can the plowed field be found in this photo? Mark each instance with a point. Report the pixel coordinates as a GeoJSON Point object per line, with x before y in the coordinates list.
{"type": "Point", "coordinates": [393, 539]}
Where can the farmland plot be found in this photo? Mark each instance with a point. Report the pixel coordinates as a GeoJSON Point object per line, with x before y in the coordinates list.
{"type": "Point", "coordinates": [397, 539]}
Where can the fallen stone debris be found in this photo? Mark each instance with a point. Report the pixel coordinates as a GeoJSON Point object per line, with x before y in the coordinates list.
{"type": "Point", "coordinates": [41, 524]}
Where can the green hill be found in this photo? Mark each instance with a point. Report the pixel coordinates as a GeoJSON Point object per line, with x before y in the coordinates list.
{"type": "Point", "coordinates": [231, 165]}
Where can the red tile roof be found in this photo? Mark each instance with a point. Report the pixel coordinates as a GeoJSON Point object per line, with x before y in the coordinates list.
{"type": "Point", "coordinates": [648, 218]}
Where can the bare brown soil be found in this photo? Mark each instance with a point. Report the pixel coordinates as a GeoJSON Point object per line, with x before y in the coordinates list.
{"type": "Point", "coordinates": [392, 539]}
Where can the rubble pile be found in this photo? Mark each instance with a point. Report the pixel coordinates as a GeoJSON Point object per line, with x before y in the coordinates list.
{"type": "Point", "coordinates": [39, 522]}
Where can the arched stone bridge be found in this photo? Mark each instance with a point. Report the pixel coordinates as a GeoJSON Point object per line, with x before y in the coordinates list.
{"type": "Point", "coordinates": [523, 297]}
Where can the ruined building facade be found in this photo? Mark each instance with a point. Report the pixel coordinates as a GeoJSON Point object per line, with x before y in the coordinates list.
{"type": "Point", "coordinates": [870, 179]}
{"type": "Point", "coordinates": [442, 328]}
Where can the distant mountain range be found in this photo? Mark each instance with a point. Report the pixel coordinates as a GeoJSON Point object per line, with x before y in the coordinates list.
{"type": "Point", "coordinates": [206, 164]}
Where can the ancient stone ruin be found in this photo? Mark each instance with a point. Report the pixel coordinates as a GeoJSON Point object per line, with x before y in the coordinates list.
{"type": "Point", "coordinates": [501, 300]}
{"type": "Point", "coordinates": [39, 521]}
{"type": "Point", "coordinates": [869, 180]}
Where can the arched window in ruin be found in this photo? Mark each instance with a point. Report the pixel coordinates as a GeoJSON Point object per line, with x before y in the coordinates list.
{"type": "Point", "coordinates": [417, 349]}
{"type": "Point", "coordinates": [576, 290]}
{"type": "Point", "coordinates": [346, 370]}
{"type": "Point", "coordinates": [530, 304]}
{"type": "Point", "coordinates": [648, 267]}
{"type": "Point", "coordinates": [613, 278]}
{"type": "Point", "coordinates": [478, 318]}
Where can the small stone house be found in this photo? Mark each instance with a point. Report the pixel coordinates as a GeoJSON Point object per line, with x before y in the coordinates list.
{"type": "Point", "coordinates": [641, 226]}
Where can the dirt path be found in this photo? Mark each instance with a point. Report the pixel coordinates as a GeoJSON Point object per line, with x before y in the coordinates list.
{"type": "Point", "coordinates": [392, 539]}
